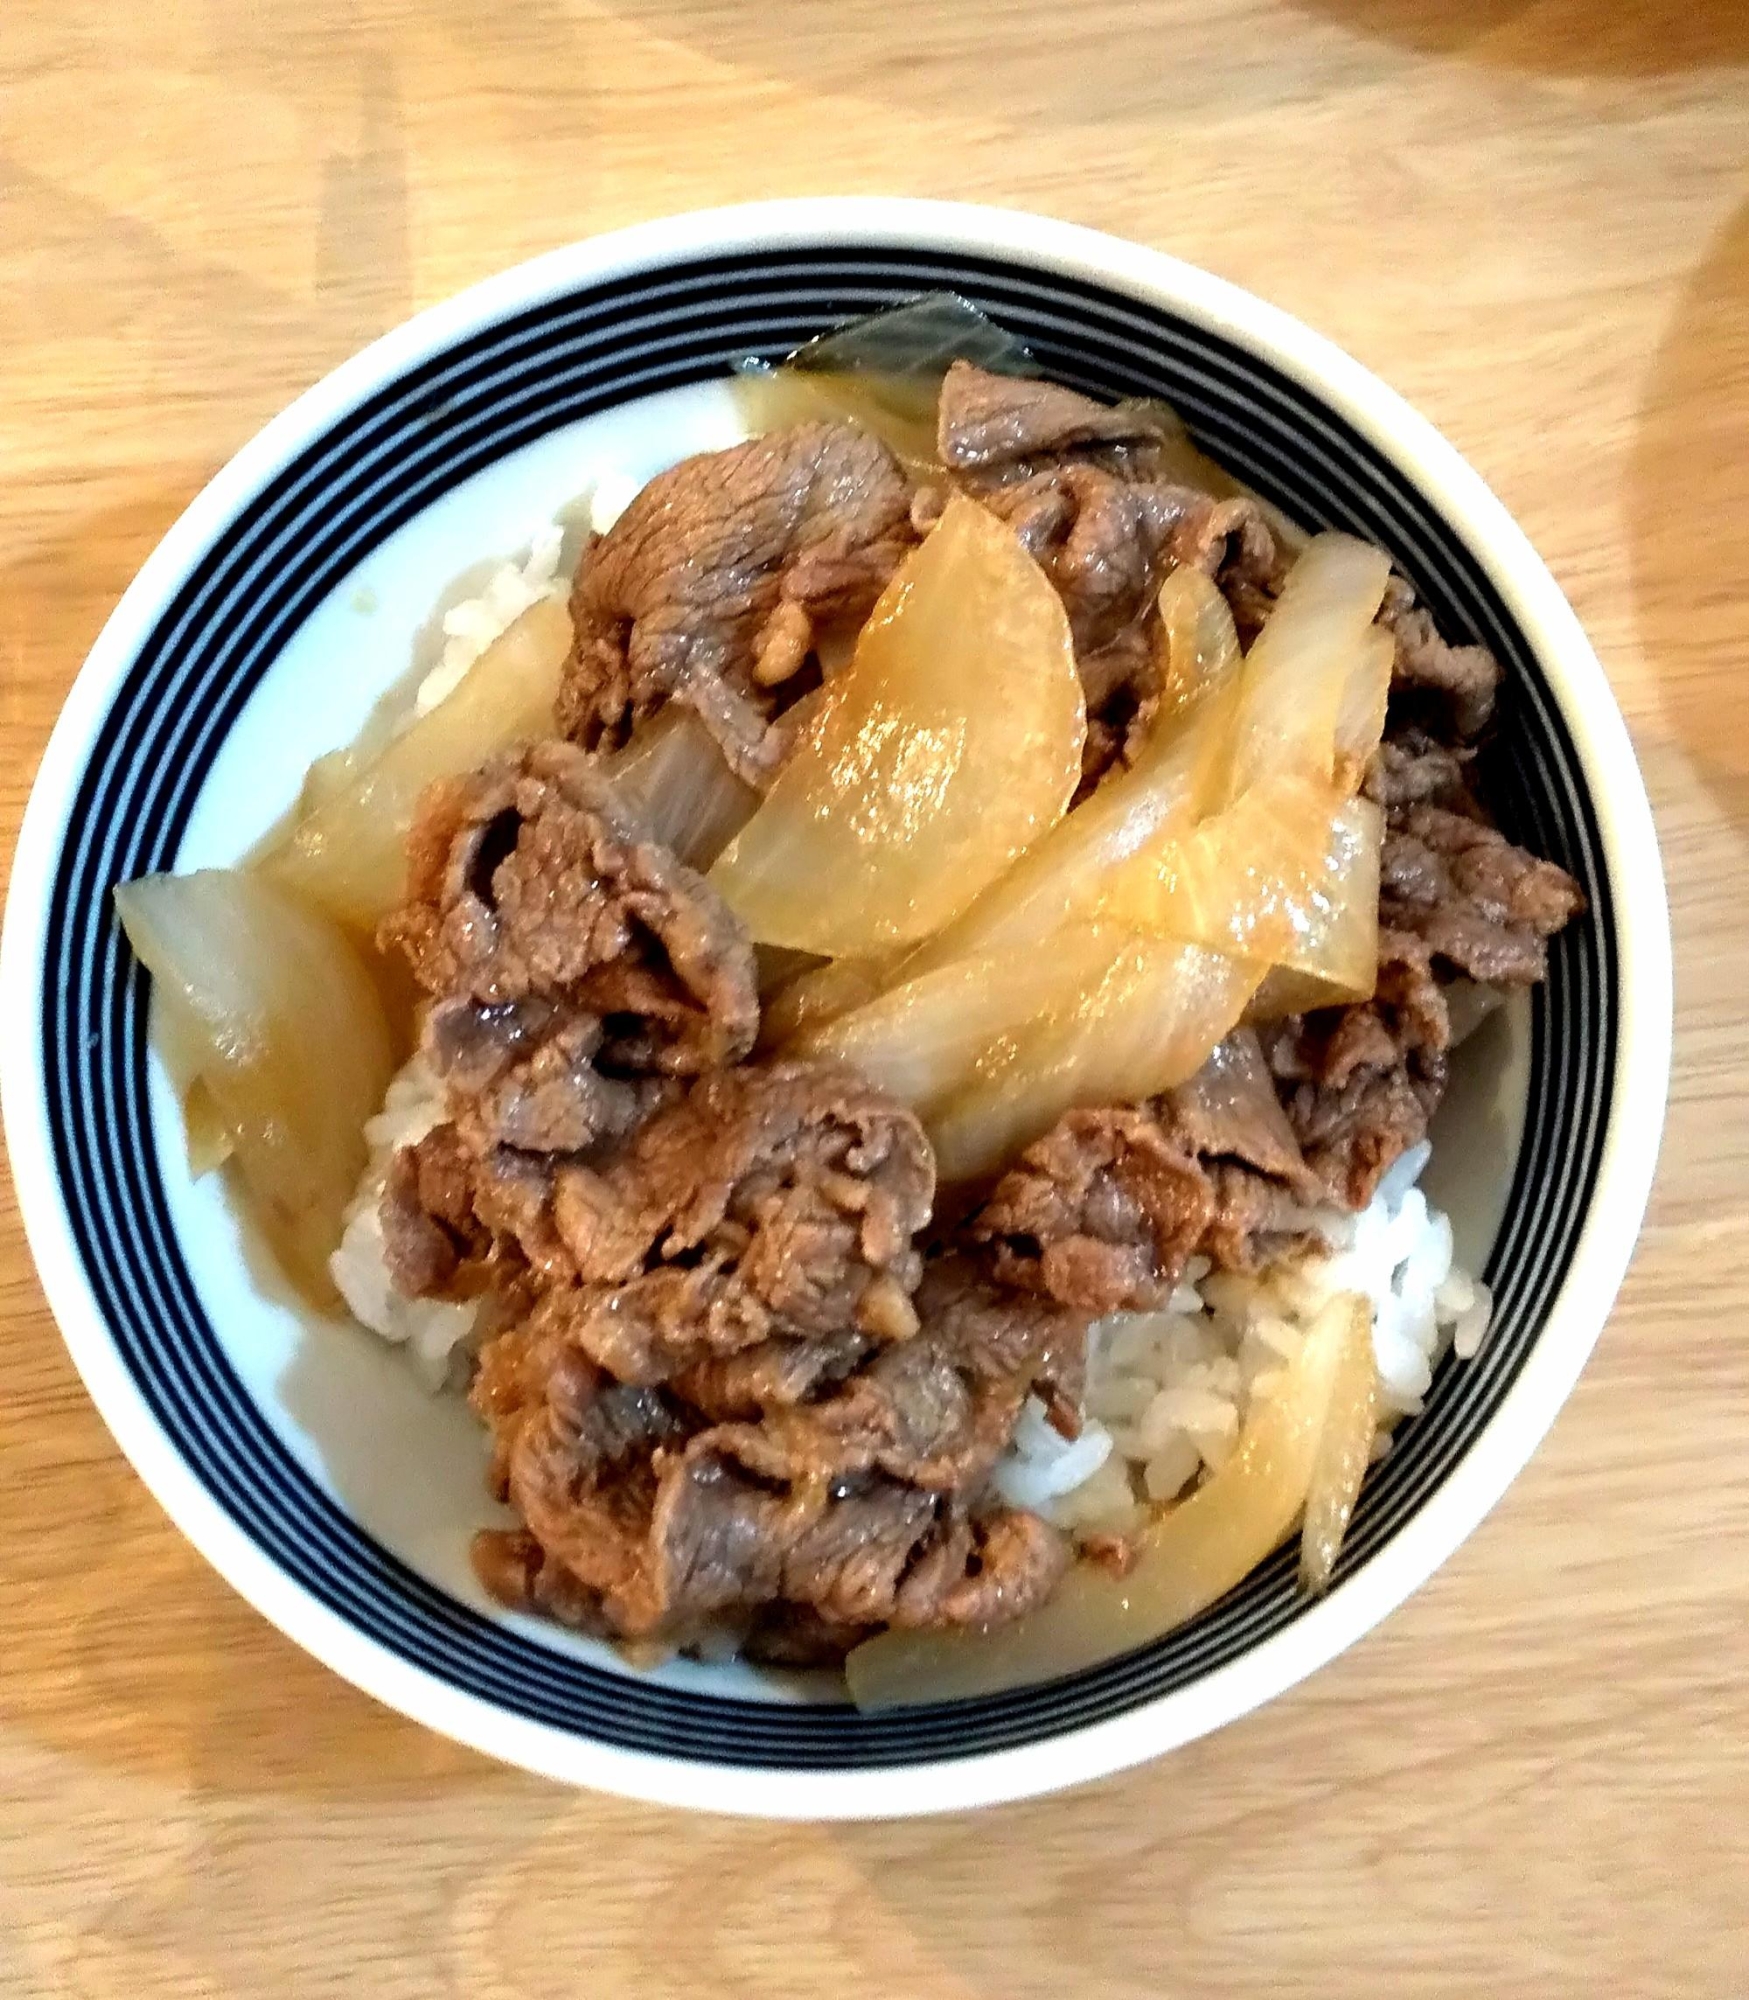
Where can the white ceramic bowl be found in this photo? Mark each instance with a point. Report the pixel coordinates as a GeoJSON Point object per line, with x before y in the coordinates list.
{"type": "Point", "coordinates": [300, 1457]}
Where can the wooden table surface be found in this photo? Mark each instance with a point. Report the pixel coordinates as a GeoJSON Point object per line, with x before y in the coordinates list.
{"type": "Point", "coordinates": [1532, 216]}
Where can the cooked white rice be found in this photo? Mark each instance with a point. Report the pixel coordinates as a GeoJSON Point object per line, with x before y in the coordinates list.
{"type": "Point", "coordinates": [1167, 1392]}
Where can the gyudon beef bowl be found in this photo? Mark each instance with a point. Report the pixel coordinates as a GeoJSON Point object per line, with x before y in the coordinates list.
{"type": "Point", "coordinates": [836, 1009]}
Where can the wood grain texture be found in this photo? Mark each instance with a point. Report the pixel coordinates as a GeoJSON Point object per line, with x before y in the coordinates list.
{"type": "Point", "coordinates": [1532, 216]}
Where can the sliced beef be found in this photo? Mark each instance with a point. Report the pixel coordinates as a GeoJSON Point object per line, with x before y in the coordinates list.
{"type": "Point", "coordinates": [1229, 1112]}
{"type": "Point", "coordinates": [652, 1537]}
{"type": "Point", "coordinates": [934, 1411]}
{"type": "Point", "coordinates": [1359, 1083]}
{"type": "Point", "coordinates": [1100, 1213]}
{"type": "Point", "coordinates": [1102, 540]}
{"type": "Point", "coordinates": [434, 1242]}
{"type": "Point", "coordinates": [1412, 768]}
{"type": "Point", "coordinates": [985, 420]}
{"type": "Point", "coordinates": [1454, 687]}
{"type": "Point", "coordinates": [712, 586]}
{"type": "Point", "coordinates": [772, 1200]}
{"type": "Point", "coordinates": [1479, 904]}
{"type": "Point", "coordinates": [773, 1376]}
{"type": "Point", "coordinates": [575, 967]}
{"type": "Point", "coordinates": [1103, 1212]}
{"type": "Point", "coordinates": [1083, 484]}
{"type": "Point", "coordinates": [530, 889]}
{"type": "Point", "coordinates": [853, 1496]}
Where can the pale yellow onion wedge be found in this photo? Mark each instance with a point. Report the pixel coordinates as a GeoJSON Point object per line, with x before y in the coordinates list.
{"type": "Point", "coordinates": [1175, 773]}
{"type": "Point", "coordinates": [674, 777]}
{"type": "Point", "coordinates": [1147, 1022]}
{"type": "Point", "coordinates": [348, 855]}
{"type": "Point", "coordinates": [805, 1004]}
{"type": "Point", "coordinates": [898, 409]}
{"type": "Point", "coordinates": [1344, 1450]}
{"type": "Point", "coordinates": [1190, 1558]}
{"type": "Point", "coordinates": [1360, 715]}
{"type": "Point", "coordinates": [183, 1047]}
{"type": "Point", "coordinates": [922, 1041]}
{"type": "Point", "coordinates": [297, 1051]}
{"type": "Point", "coordinates": [1287, 875]}
{"type": "Point", "coordinates": [947, 746]}
{"type": "Point", "coordinates": [1299, 671]}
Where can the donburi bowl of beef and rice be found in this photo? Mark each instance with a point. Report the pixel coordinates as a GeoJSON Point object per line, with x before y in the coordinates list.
{"type": "Point", "coordinates": [840, 1008]}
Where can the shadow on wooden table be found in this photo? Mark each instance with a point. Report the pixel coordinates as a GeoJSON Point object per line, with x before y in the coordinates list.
{"type": "Point", "coordinates": [1112, 60]}
{"type": "Point", "coordinates": [1556, 37]}
{"type": "Point", "coordinates": [1688, 502]}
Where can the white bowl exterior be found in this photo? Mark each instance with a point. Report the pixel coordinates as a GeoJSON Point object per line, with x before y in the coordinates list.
{"type": "Point", "coordinates": [1574, 1320]}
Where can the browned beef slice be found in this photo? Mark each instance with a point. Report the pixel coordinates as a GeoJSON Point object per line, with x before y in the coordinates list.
{"type": "Point", "coordinates": [1412, 768]}
{"type": "Point", "coordinates": [1229, 1111]}
{"type": "Point", "coordinates": [1359, 1083]}
{"type": "Point", "coordinates": [984, 1571]}
{"type": "Point", "coordinates": [1104, 1210]}
{"type": "Point", "coordinates": [1100, 1213]}
{"type": "Point", "coordinates": [430, 1230]}
{"type": "Point", "coordinates": [573, 964]}
{"type": "Point", "coordinates": [528, 881]}
{"type": "Point", "coordinates": [985, 420]}
{"type": "Point", "coordinates": [1232, 542]}
{"type": "Point", "coordinates": [1101, 539]}
{"type": "Point", "coordinates": [1454, 684]}
{"type": "Point", "coordinates": [796, 1636]}
{"type": "Point", "coordinates": [1106, 541]}
{"type": "Point", "coordinates": [874, 1552]}
{"type": "Point", "coordinates": [775, 1375]}
{"type": "Point", "coordinates": [1477, 902]}
{"type": "Point", "coordinates": [648, 1525]}
{"type": "Point", "coordinates": [660, 1544]}
{"type": "Point", "coordinates": [587, 1488]}
{"type": "Point", "coordinates": [708, 588]}
{"type": "Point", "coordinates": [1229, 1118]}
{"type": "Point", "coordinates": [773, 1199]}
{"type": "Point", "coordinates": [933, 1411]}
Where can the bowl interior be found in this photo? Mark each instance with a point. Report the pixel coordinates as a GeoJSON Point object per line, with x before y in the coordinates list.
{"type": "Point", "coordinates": [317, 1440]}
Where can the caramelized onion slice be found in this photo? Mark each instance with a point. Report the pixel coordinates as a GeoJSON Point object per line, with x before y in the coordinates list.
{"type": "Point", "coordinates": [291, 1050]}
{"type": "Point", "coordinates": [883, 372]}
{"type": "Point", "coordinates": [946, 747]}
{"type": "Point", "coordinates": [347, 854]}
{"type": "Point", "coordinates": [808, 1002]}
{"type": "Point", "coordinates": [1190, 1558]}
{"type": "Point", "coordinates": [673, 776]}
{"type": "Point", "coordinates": [924, 1040]}
{"type": "Point", "coordinates": [1288, 875]}
{"type": "Point", "coordinates": [1344, 1450]}
{"type": "Point", "coordinates": [1176, 772]}
{"type": "Point", "coordinates": [1141, 1022]}
{"type": "Point", "coordinates": [1301, 673]}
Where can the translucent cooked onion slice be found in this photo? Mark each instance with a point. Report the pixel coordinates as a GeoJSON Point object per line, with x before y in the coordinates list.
{"type": "Point", "coordinates": [1190, 1557]}
{"type": "Point", "coordinates": [1182, 761]}
{"type": "Point", "coordinates": [946, 747]}
{"type": "Point", "coordinates": [286, 1035]}
{"type": "Point", "coordinates": [347, 854]}
{"type": "Point", "coordinates": [883, 372]}
{"type": "Point", "coordinates": [923, 1040]}
{"type": "Point", "coordinates": [1313, 667]}
{"type": "Point", "coordinates": [1288, 875]}
{"type": "Point", "coordinates": [673, 776]}
{"type": "Point", "coordinates": [808, 1002]}
{"type": "Point", "coordinates": [1141, 1019]}
{"type": "Point", "coordinates": [1344, 1450]}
